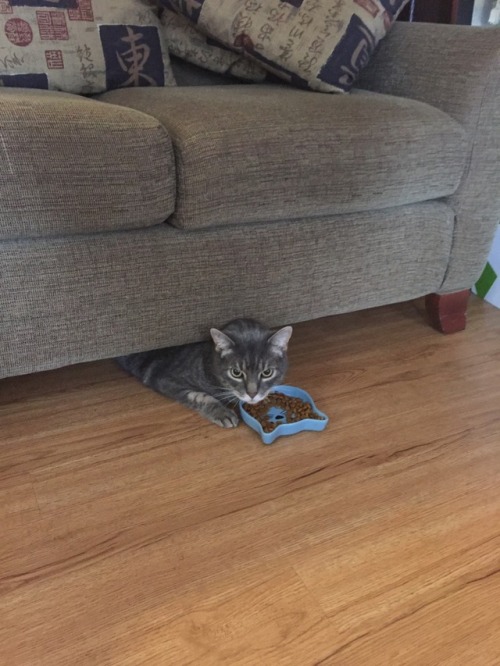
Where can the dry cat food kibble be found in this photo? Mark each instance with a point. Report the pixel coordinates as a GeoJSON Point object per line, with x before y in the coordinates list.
{"type": "Point", "coordinates": [293, 410]}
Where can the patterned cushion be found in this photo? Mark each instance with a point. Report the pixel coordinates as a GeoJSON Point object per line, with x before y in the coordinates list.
{"type": "Point", "coordinates": [317, 44]}
{"type": "Point", "coordinates": [185, 42]}
{"type": "Point", "coordinates": [82, 46]}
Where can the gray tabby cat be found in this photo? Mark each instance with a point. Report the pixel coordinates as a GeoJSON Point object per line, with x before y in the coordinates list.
{"type": "Point", "coordinates": [244, 362]}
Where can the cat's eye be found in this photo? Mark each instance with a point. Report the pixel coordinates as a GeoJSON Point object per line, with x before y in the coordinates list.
{"type": "Point", "coordinates": [236, 373]}
{"type": "Point", "coordinates": [267, 373]}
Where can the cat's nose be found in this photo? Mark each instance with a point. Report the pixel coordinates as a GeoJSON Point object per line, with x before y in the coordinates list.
{"type": "Point", "coordinates": [252, 389]}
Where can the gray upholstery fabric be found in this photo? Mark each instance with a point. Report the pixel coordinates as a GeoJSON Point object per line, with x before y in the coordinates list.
{"type": "Point", "coordinates": [94, 296]}
{"type": "Point", "coordinates": [457, 70]}
{"type": "Point", "coordinates": [264, 152]}
{"type": "Point", "coordinates": [72, 165]}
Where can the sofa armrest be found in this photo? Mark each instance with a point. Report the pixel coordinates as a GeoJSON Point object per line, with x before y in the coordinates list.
{"type": "Point", "coordinates": [456, 69]}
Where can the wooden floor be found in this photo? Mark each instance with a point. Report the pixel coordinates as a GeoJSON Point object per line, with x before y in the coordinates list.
{"type": "Point", "coordinates": [133, 532]}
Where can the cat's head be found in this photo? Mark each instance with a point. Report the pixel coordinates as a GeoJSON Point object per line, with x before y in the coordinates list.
{"type": "Point", "coordinates": [249, 359]}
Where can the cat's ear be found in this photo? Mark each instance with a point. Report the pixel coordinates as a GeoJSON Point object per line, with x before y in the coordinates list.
{"type": "Point", "coordinates": [279, 340]}
{"type": "Point", "coordinates": [223, 343]}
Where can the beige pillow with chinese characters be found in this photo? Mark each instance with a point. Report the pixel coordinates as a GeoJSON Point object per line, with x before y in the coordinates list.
{"type": "Point", "coordinates": [316, 44]}
{"type": "Point", "coordinates": [82, 46]}
{"type": "Point", "coordinates": [185, 42]}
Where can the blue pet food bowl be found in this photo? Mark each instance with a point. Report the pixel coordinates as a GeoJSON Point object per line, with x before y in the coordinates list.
{"type": "Point", "coordinates": [277, 415]}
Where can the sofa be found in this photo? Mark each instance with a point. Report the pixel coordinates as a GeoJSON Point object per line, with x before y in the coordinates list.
{"type": "Point", "coordinates": [140, 218]}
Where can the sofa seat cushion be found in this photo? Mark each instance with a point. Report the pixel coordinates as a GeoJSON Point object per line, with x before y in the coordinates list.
{"type": "Point", "coordinates": [74, 165]}
{"type": "Point", "coordinates": [266, 152]}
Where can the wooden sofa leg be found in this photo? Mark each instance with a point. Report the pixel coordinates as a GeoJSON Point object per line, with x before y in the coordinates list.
{"type": "Point", "coordinates": [448, 312]}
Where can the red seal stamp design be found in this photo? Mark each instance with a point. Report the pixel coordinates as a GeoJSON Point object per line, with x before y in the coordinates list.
{"type": "Point", "coordinates": [18, 32]}
{"type": "Point", "coordinates": [5, 7]}
{"type": "Point", "coordinates": [52, 25]}
{"type": "Point", "coordinates": [54, 59]}
{"type": "Point", "coordinates": [84, 12]}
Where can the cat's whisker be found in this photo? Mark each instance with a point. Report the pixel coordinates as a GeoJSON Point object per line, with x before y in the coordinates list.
{"type": "Point", "coordinates": [225, 394]}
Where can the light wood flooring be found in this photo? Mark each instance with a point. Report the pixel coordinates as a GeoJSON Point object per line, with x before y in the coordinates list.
{"type": "Point", "coordinates": [135, 533]}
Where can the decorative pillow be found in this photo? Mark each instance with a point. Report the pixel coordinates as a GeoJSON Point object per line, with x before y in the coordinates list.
{"type": "Point", "coordinates": [317, 44]}
{"type": "Point", "coordinates": [82, 46]}
{"type": "Point", "coordinates": [185, 42]}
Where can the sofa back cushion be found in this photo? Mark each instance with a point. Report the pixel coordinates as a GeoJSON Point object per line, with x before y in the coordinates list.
{"type": "Point", "coordinates": [82, 46]}
{"type": "Point", "coordinates": [264, 153]}
{"type": "Point", "coordinates": [317, 44]}
{"type": "Point", "coordinates": [70, 165]}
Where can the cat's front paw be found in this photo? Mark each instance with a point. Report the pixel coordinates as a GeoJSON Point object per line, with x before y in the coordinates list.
{"type": "Point", "coordinates": [223, 417]}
